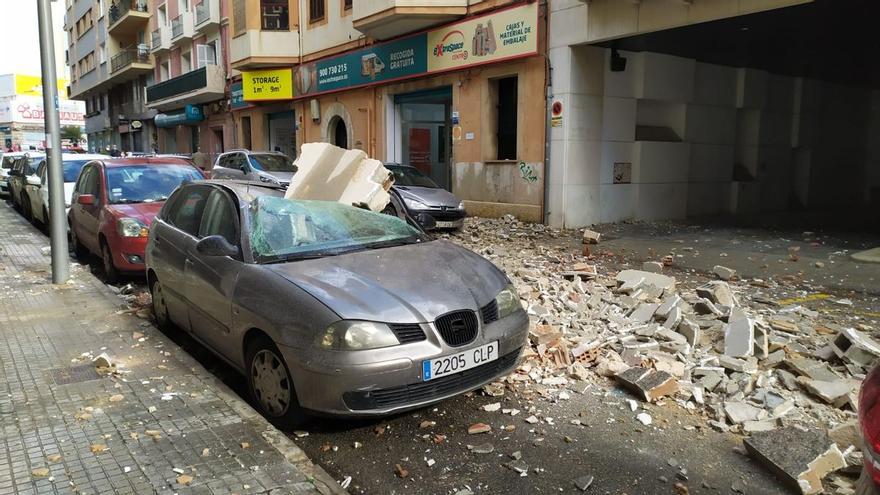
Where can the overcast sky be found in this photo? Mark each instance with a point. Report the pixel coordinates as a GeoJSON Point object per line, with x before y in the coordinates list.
{"type": "Point", "coordinates": [20, 38]}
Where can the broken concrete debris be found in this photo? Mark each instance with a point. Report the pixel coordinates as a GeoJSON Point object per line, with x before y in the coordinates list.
{"type": "Point", "coordinates": [329, 173]}
{"type": "Point", "coordinates": [591, 236]}
{"type": "Point", "coordinates": [723, 272]}
{"type": "Point", "coordinates": [800, 457]}
{"type": "Point", "coordinates": [648, 384]}
{"type": "Point", "coordinates": [739, 338]}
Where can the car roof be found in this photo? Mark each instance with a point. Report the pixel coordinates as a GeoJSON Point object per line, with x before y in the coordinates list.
{"type": "Point", "coordinates": [247, 190]}
{"type": "Point", "coordinates": [83, 156]}
{"type": "Point", "coordinates": [145, 160]}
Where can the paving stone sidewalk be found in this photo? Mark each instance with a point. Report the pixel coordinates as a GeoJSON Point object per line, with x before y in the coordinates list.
{"type": "Point", "coordinates": [160, 424]}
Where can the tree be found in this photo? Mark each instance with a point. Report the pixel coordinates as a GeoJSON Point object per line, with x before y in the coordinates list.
{"type": "Point", "coordinates": [71, 132]}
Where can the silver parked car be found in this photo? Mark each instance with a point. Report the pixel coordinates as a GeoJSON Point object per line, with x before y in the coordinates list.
{"type": "Point", "coordinates": [271, 167]}
{"type": "Point", "coordinates": [424, 200]}
{"type": "Point", "coordinates": [326, 307]}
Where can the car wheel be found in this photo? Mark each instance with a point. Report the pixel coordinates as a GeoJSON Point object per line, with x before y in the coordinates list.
{"type": "Point", "coordinates": [107, 260]}
{"type": "Point", "coordinates": [271, 385]}
{"type": "Point", "coordinates": [26, 209]}
{"type": "Point", "coordinates": [46, 221]}
{"type": "Point", "coordinates": [80, 251]}
{"type": "Point", "coordinates": [160, 307]}
{"type": "Point", "coordinates": [390, 210]}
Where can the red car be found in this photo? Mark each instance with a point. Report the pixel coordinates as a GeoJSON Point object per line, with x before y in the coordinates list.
{"type": "Point", "coordinates": [114, 202]}
{"type": "Point", "coordinates": [869, 417]}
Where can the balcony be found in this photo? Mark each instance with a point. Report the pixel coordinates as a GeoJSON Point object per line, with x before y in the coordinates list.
{"type": "Point", "coordinates": [383, 19]}
{"type": "Point", "coordinates": [182, 28]}
{"type": "Point", "coordinates": [130, 63]}
{"type": "Point", "coordinates": [207, 16]}
{"type": "Point", "coordinates": [88, 82]}
{"type": "Point", "coordinates": [160, 40]}
{"type": "Point", "coordinates": [97, 122]}
{"type": "Point", "coordinates": [256, 48]}
{"type": "Point", "coordinates": [199, 86]}
{"type": "Point", "coordinates": [127, 17]}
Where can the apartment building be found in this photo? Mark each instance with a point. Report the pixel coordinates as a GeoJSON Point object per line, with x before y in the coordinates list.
{"type": "Point", "coordinates": [110, 69]}
{"type": "Point", "coordinates": [189, 43]}
{"type": "Point", "coordinates": [455, 88]}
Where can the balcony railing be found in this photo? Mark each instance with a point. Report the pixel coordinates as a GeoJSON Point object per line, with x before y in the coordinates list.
{"type": "Point", "coordinates": [129, 56]}
{"type": "Point", "coordinates": [156, 40]}
{"type": "Point", "coordinates": [177, 27]}
{"type": "Point", "coordinates": [118, 10]}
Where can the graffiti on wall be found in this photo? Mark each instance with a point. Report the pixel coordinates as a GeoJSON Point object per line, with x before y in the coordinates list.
{"type": "Point", "coordinates": [527, 172]}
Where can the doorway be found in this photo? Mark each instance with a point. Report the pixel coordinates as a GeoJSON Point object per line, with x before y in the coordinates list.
{"type": "Point", "coordinates": [338, 132]}
{"type": "Point", "coordinates": [282, 133]}
{"type": "Point", "coordinates": [422, 132]}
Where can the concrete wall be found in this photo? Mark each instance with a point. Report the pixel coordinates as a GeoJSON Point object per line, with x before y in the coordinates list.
{"type": "Point", "coordinates": [734, 140]}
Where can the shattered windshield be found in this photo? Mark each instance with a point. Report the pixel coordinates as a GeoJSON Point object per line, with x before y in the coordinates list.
{"type": "Point", "coordinates": [272, 163]}
{"type": "Point", "coordinates": [283, 229]}
{"type": "Point", "coordinates": [146, 183]}
{"type": "Point", "coordinates": [410, 176]}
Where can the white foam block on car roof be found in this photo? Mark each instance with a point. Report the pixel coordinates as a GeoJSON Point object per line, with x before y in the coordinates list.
{"type": "Point", "coordinates": [329, 173]}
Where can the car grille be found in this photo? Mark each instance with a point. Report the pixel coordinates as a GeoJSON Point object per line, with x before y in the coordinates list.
{"type": "Point", "coordinates": [447, 215]}
{"type": "Point", "coordinates": [408, 332]}
{"type": "Point", "coordinates": [489, 312]}
{"type": "Point", "coordinates": [425, 391]}
{"type": "Point", "coordinates": [458, 328]}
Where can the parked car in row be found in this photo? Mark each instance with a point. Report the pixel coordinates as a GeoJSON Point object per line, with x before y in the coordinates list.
{"type": "Point", "coordinates": [23, 170]}
{"type": "Point", "coordinates": [329, 308]}
{"type": "Point", "coordinates": [424, 200]}
{"type": "Point", "coordinates": [271, 167]}
{"type": "Point", "coordinates": [114, 202]}
{"type": "Point", "coordinates": [35, 200]}
{"type": "Point", "coordinates": [6, 162]}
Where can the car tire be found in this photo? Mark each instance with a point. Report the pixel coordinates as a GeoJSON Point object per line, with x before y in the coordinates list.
{"type": "Point", "coordinates": [80, 251]}
{"type": "Point", "coordinates": [390, 210]}
{"type": "Point", "coordinates": [110, 271]}
{"type": "Point", "coordinates": [271, 385]}
{"type": "Point", "coordinates": [26, 209]}
{"type": "Point", "coordinates": [160, 306]}
{"type": "Point", "coordinates": [46, 220]}
{"type": "Point", "coordinates": [865, 485]}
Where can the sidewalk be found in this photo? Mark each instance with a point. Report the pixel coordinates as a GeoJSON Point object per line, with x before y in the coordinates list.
{"type": "Point", "coordinates": [160, 424]}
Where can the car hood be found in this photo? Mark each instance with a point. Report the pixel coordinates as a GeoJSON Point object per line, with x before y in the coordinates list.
{"type": "Point", "coordinates": [145, 212]}
{"type": "Point", "coordinates": [414, 283]}
{"type": "Point", "coordinates": [281, 176]}
{"type": "Point", "coordinates": [434, 197]}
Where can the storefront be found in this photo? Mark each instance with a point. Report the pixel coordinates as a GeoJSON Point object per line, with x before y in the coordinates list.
{"type": "Point", "coordinates": [465, 103]}
{"type": "Point", "coordinates": [179, 130]}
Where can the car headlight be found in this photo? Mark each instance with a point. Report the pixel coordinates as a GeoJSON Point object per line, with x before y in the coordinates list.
{"type": "Point", "coordinates": [269, 180]}
{"type": "Point", "coordinates": [131, 227]}
{"type": "Point", "coordinates": [412, 204]}
{"type": "Point", "coordinates": [507, 301]}
{"type": "Point", "coordinates": [461, 205]}
{"type": "Point", "coordinates": [348, 335]}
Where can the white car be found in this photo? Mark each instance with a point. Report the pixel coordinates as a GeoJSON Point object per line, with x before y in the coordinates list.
{"type": "Point", "coordinates": [37, 191]}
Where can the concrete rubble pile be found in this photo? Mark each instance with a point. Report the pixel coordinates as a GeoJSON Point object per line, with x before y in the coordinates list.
{"type": "Point", "coordinates": [722, 348]}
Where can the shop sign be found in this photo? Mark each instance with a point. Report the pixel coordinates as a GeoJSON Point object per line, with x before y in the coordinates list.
{"type": "Point", "coordinates": [29, 110]}
{"type": "Point", "coordinates": [267, 85]}
{"type": "Point", "coordinates": [556, 114]}
{"type": "Point", "coordinates": [502, 35]}
{"type": "Point", "coordinates": [191, 114]}
{"type": "Point", "coordinates": [236, 97]}
{"type": "Point", "coordinates": [33, 85]}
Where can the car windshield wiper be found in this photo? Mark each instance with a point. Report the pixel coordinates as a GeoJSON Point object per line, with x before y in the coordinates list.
{"type": "Point", "coordinates": [298, 257]}
{"type": "Point", "coordinates": [392, 243]}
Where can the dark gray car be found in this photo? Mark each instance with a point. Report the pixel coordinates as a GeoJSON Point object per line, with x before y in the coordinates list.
{"type": "Point", "coordinates": [326, 307]}
{"type": "Point", "coordinates": [424, 200]}
{"type": "Point", "coordinates": [270, 167]}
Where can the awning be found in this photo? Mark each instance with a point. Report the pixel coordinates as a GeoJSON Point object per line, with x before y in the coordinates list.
{"type": "Point", "coordinates": [191, 114]}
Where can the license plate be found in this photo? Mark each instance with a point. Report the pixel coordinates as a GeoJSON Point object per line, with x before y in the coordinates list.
{"type": "Point", "coordinates": [445, 225]}
{"type": "Point", "coordinates": [456, 363]}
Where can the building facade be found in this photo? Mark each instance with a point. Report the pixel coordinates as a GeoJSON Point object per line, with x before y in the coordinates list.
{"type": "Point", "coordinates": [189, 43]}
{"type": "Point", "coordinates": [21, 112]}
{"type": "Point", "coordinates": [455, 88]}
{"type": "Point", "coordinates": [110, 69]}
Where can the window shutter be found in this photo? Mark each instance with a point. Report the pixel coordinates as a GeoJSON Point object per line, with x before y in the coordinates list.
{"type": "Point", "coordinates": [204, 56]}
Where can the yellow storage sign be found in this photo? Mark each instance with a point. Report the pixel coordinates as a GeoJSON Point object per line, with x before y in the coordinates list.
{"type": "Point", "coordinates": [33, 86]}
{"type": "Point", "coordinates": [267, 85]}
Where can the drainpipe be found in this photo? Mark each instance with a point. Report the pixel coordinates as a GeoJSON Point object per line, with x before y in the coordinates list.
{"type": "Point", "coordinates": [548, 102]}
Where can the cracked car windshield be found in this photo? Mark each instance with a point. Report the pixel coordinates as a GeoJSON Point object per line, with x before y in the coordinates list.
{"type": "Point", "coordinates": [283, 229]}
{"type": "Point", "coordinates": [146, 183]}
{"type": "Point", "coordinates": [272, 163]}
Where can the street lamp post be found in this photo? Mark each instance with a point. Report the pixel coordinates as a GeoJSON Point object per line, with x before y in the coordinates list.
{"type": "Point", "coordinates": [57, 218]}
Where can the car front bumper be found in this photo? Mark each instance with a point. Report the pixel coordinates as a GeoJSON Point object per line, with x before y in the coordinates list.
{"type": "Point", "coordinates": [444, 219]}
{"type": "Point", "coordinates": [389, 380]}
{"type": "Point", "coordinates": [128, 253]}
{"type": "Point", "coordinates": [4, 187]}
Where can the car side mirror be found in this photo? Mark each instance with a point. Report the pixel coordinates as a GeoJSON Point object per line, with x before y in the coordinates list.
{"type": "Point", "coordinates": [243, 169]}
{"type": "Point", "coordinates": [34, 181]}
{"type": "Point", "coordinates": [86, 199]}
{"type": "Point", "coordinates": [216, 245]}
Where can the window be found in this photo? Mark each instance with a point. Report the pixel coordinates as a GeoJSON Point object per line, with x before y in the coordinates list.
{"type": "Point", "coordinates": [347, 4]}
{"type": "Point", "coordinates": [246, 132]}
{"type": "Point", "coordinates": [316, 10]}
{"type": "Point", "coordinates": [506, 105]}
{"type": "Point", "coordinates": [163, 16]}
{"type": "Point", "coordinates": [275, 15]}
{"type": "Point", "coordinates": [164, 71]}
{"type": "Point", "coordinates": [88, 182]}
{"type": "Point", "coordinates": [239, 21]}
{"type": "Point", "coordinates": [185, 63]}
{"type": "Point", "coordinates": [186, 212]}
{"type": "Point", "coordinates": [102, 54]}
{"type": "Point", "coordinates": [206, 55]}
{"type": "Point", "coordinates": [219, 217]}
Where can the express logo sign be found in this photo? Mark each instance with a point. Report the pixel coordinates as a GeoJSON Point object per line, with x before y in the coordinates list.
{"type": "Point", "coordinates": [452, 45]}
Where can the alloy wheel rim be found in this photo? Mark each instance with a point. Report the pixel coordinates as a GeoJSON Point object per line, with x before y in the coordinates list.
{"type": "Point", "coordinates": [270, 382]}
{"type": "Point", "coordinates": [159, 303]}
